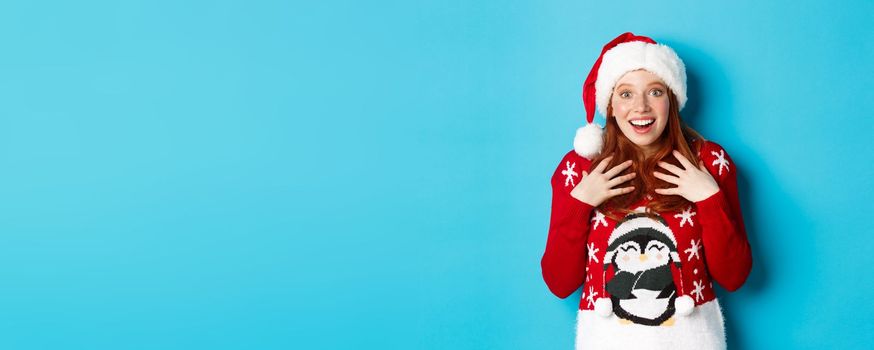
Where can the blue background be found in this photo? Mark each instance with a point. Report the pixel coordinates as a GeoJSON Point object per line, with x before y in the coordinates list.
{"type": "Point", "coordinates": [339, 174]}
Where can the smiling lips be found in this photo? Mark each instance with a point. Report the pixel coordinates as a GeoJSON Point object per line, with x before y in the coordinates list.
{"type": "Point", "coordinates": [642, 125]}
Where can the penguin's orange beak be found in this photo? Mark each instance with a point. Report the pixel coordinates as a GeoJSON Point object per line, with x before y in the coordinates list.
{"type": "Point", "coordinates": [643, 257]}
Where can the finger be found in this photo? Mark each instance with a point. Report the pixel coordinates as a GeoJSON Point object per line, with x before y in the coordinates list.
{"type": "Point", "coordinates": [685, 162]}
{"type": "Point", "coordinates": [672, 179]}
{"type": "Point", "coordinates": [702, 166]}
{"type": "Point", "coordinates": [667, 191]}
{"type": "Point", "coordinates": [672, 168]}
{"type": "Point", "coordinates": [620, 179]}
{"type": "Point", "coordinates": [618, 191]}
{"type": "Point", "coordinates": [602, 165]}
{"type": "Point", "coordinates": [618, 169]}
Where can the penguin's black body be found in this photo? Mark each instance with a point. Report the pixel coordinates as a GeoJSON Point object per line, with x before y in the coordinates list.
{"type": "Point", "coordinates": [645, 296]}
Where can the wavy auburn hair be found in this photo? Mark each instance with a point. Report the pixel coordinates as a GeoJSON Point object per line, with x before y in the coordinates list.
{"type": "Point", "coordinates": [676, 136]}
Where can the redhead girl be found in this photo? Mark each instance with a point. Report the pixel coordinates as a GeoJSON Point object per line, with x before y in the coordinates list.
{"type": "Point", "coordinates": [645, 213]}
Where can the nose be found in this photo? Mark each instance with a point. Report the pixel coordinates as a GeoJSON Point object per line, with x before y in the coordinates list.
{"type": "Point", "coordinates": [641, 104]}
{"type": "Point", "coordinates": [643, 257]}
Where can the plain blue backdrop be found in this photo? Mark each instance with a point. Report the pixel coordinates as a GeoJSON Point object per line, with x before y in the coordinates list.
{"type": "Point", "coordinates": [375, 175]}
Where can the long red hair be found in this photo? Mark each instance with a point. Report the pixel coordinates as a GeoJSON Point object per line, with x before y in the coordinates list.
{"type": "Point", "coordinates": [676, 136]}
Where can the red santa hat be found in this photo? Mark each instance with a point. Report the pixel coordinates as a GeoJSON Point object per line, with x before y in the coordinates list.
{"type": "Point", "coordinates": [625, 53]}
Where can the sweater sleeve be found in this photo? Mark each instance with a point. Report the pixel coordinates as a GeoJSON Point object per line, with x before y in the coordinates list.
{"type": "Point", "coordinates": [726, 248]}
{"type": "Point", "coordinates": [564, 260]}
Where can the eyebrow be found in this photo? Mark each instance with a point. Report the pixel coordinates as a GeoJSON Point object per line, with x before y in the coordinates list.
{"type": "Point", "coordinates": [653, 83]}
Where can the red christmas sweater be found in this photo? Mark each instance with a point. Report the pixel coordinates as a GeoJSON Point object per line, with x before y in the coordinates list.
{"type": "Point", "coordinates": [675, 256]}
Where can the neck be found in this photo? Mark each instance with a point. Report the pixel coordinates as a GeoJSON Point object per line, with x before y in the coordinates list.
{"type": "Point", "coordinates": [648, 150]}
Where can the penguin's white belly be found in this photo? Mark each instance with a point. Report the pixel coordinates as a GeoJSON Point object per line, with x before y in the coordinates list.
{"type": "Point", "coordinates": [703, 329]}
{"type": "Point", "coordinates": [645, 304]}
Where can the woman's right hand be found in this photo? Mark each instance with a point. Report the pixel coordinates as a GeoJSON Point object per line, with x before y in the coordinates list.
{"type": "Point", "coordinates": [597, 187]}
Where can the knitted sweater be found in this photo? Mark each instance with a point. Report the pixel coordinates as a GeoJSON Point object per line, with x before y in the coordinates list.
{"type": "Point", "coordinates": [651, 279]}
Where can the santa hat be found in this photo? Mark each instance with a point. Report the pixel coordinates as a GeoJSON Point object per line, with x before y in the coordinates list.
{"type": "Point", "coordinates": [625, 53]}
{"type": "Point", "coordinates": [635, 224]}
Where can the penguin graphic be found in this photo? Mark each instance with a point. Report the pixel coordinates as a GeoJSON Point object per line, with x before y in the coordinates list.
{"type": "Point", "coordinates": [640, 250]}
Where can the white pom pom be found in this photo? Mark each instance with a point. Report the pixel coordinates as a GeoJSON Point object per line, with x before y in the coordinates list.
{"type": "Point", "coordinates": [604, 307]}
{"type": "Point", "coordinates": [684, 305]}
{"type": "Point", "coordinates": [589, 140]}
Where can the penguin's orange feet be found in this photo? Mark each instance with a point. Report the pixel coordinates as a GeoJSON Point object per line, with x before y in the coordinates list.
{"type": "Point", "coordinates": [669, 322]}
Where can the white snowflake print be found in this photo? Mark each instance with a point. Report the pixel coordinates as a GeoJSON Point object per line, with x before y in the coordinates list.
{"type": "Point", "coordinates": [592, 251]}
{"type": "Point", "coordinates": [693, 252]}
{"type": "Point", "coordinates": [699, 287]}
{"type": "Point", "coordinates": [686, 215]}
{"type": "Point", "coordinates": [591, 297]}
{"type": "Point", "coordinates": [720, 159]}
{"type": "Point", "coordinates": [569, 173]}
{"type": "Point", "coordinates": [599, 218]}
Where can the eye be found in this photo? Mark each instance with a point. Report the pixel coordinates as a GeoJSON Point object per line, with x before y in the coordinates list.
{"type": "Point", "coordinates": [655, 247]}
{"type": "Point", "coordinates": [656, 92]}
{"type": "Point", "coordinates": [625, 94]}
{"type": "Point", "coordinates": [628, 247]}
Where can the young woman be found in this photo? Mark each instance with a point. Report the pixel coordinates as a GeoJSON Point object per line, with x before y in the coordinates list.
{"type": "Point", "coordinates": [645, 213]}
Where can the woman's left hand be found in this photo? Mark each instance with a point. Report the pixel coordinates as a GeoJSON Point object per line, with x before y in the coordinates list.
{"type": "Point", "coordinates": [693, 183]}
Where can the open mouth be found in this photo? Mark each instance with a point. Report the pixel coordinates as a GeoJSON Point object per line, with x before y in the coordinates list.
{"type": "Point", "coordinates": [642, 126]}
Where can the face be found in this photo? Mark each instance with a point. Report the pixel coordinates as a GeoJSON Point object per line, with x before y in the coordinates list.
{"type": "Point", "coordinates": [641, 254]}
{"type": "Point", "coordinates": [640, 104]}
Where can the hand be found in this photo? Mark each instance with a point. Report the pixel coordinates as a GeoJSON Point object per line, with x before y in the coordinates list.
{"type": "Point", "coordinates": [693, 183]}
{"type": "Point", "coordinates": [597, 187]}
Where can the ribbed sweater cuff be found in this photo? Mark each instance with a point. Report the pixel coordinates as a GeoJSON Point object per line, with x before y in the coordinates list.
{"type": "Point", "coordinates": [716, 201]}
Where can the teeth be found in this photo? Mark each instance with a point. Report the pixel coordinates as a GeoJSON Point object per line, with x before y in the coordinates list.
{"type": "Point", "coordinates": [642, 122]}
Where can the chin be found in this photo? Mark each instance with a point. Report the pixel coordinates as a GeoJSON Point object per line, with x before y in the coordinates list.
{"type": "Point", "coordinates": [642, 145]}
{"type": "Point", "coordinates": [639, 141]}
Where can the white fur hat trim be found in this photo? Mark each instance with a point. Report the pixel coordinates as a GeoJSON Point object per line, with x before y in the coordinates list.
{"type": "Point", "coordinates": [658, 59]}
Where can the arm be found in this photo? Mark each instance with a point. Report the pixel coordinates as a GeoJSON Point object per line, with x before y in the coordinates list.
{"type": "Point", "coordinates": [726, 248]}
{"type": "Point", "coordinates": [564, 261]}
{"type": "Point", "coordinates": [621, 284]}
